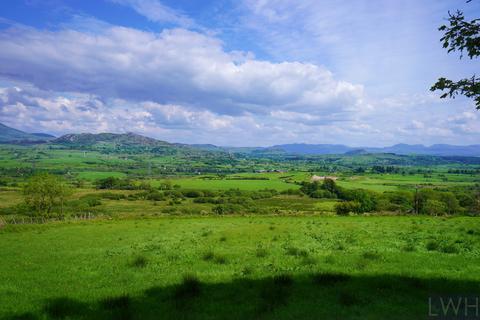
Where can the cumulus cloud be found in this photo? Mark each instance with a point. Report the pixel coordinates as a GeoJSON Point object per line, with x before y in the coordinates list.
{"type": "Point", "coordinates": [175, 66]}
{"type": "Point", "coordinates": [36, 110]}
{"type": "Point", "coordinates": [184, 86]}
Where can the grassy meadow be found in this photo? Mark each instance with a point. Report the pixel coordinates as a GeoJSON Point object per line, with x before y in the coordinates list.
{"type": "Point", "coordinates": [148, 236]}
{"type": "Point", "coordinates": [236, 267]}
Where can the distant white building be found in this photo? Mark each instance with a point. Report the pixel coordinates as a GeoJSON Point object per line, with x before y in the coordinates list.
{"type": "Point", "coordinates": [321, 178]}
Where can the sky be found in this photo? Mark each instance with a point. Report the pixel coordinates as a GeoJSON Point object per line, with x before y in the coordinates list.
{"type": "Point", "coordinates": [235, 72]}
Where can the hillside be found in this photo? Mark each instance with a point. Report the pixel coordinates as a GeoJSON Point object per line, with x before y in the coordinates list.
{"type": "Point", "coordinates": [135, 142]}
{"type": "Point", "coordinates": [11, 135]}
{"type": "Point", "coordinates": [90, 139]}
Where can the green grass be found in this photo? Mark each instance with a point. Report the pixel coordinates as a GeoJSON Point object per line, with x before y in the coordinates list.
{"type": "Point", "coordinates": [392, 182]}
{"type": "Point", "coordinates": [94, 175]}
{"type": "Point", "coordinates": [343, 267]}
{"type": "Point", "coordinates": [200, 183]}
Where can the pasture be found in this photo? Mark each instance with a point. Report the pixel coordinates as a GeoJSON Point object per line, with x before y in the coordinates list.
{"type": "Point", "coordinates": [236, 267]}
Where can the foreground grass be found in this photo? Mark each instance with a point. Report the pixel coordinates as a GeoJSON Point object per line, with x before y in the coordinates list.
{"type": "Point", "coordinates": [237, 267]}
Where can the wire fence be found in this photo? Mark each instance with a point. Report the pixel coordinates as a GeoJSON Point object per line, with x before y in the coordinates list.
{"type": "Point", "coordinates": [6, 220]}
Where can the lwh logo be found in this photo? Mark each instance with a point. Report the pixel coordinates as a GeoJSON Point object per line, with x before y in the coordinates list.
{"type": "Point", "coordinates": [454, 307]}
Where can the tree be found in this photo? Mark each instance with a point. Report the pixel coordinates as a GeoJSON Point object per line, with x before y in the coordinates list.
{"type": "Point", "coordinates": [44, 191]}
{"type": "Point", "coordinates": [463, 36]}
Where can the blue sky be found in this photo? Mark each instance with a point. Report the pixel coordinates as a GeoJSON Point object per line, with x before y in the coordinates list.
{"type": "Point", "coordinates": [239, 73]}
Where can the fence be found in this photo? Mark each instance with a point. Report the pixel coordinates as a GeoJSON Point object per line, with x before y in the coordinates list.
{"type": "Point", "coordinates": [4, 220]}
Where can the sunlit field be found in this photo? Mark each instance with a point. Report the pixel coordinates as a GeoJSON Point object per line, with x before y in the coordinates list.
{"type": "Point", "coordinates": [237, 267]}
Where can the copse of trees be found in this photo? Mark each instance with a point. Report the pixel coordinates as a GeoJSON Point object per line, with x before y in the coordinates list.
{"type": "Point", "coordinates": [356, 200]}
{"type": "Point", "coordinates": [44, 192]}
{"type": "Point", "coordinates": [111, 183]}
{"type": "Point", "coordinates": [428, 201]}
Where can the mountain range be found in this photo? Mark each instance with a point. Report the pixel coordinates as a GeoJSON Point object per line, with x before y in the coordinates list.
{"type": "Point", "coordinates": [13, 136]}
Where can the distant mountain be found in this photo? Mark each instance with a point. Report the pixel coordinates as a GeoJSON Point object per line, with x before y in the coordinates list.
{"type": "Point", "coordinates": [207, 147]}
{"type": "Point", "coordinates": [125, 139]}
{"type": "Point", "coordinates": [435, 150]}
{"type": "Point", "coordinates": [125, 143]}
{"type": "Point", "coordinates": [302, 148]}
{"type": "Point", "coordinates": [131, 142]}
{"type": "Point", "coordinates": [402, 149]}
{"type": "Point", "coordinates": [356, 152]}
{"type": "Point", "coordinates": [11, 135]}
{"type": "Point", "coordinates": [325, 149]}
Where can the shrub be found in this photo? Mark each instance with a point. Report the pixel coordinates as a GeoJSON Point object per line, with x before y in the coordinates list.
{"type": "Point", "coordinates": [323, 194]}
{"type": "Point", "coordinates": [398, 201]}
{"type": "Point", "coordinates": [193, 194]}
{"type": "Point", "coordinates": [345, 207]}
{"type": "Point", "coordinates": [367, 200]}
{"type": "Point", "coordinates": [434, 208]}
{"type": "Point", "coordinates": [154, 196]}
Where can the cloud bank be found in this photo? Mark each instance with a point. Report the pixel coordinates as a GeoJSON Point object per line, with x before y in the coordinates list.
{"type": "Point", "coordinates": [184, 86]}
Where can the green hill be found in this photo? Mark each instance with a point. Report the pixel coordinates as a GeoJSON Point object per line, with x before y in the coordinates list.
{"type": "Point", "coordinates": [11, 135]}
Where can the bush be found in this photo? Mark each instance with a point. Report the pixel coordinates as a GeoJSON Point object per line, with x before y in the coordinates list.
{"type": "Point", "coordinates": [367, 200]}
{"type": "Point", "coordinates": [396, 201]}
{"type": "Point", "coordinates": [434, 208]}
{"type": "Point", "coordinates": [346, 207]}
{"type": "Point", "coordinates": [323, 194]}
{"type": "Point", "coordinates": [192, 194]}
{"type": "Point", "coordinates": [154, 196]}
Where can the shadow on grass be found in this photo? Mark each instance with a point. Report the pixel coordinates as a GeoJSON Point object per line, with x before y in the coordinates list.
{"type": "Point", "coordinates": [316, 296]}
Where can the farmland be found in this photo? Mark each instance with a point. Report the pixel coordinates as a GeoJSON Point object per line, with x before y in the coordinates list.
{"type": "Point", "coordinates": [208, 236]}
{"type": "Point", "coordinates": [240, 267]}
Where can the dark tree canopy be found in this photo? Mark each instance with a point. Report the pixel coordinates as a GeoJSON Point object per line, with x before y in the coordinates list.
{"type": "Point", "coordinates": [464, 37]}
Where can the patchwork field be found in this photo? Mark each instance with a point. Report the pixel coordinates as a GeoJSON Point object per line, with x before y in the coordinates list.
{"type": "Point", "coordinates": [237, 267]}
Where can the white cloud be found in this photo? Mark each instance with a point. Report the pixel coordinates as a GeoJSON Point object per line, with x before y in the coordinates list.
{"type": "Point", "coordinates": [388, 46]}
{"type": "Point", "coordinates": [172, 67]}
{"type": "Point", "coordinates": [183, 86]}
